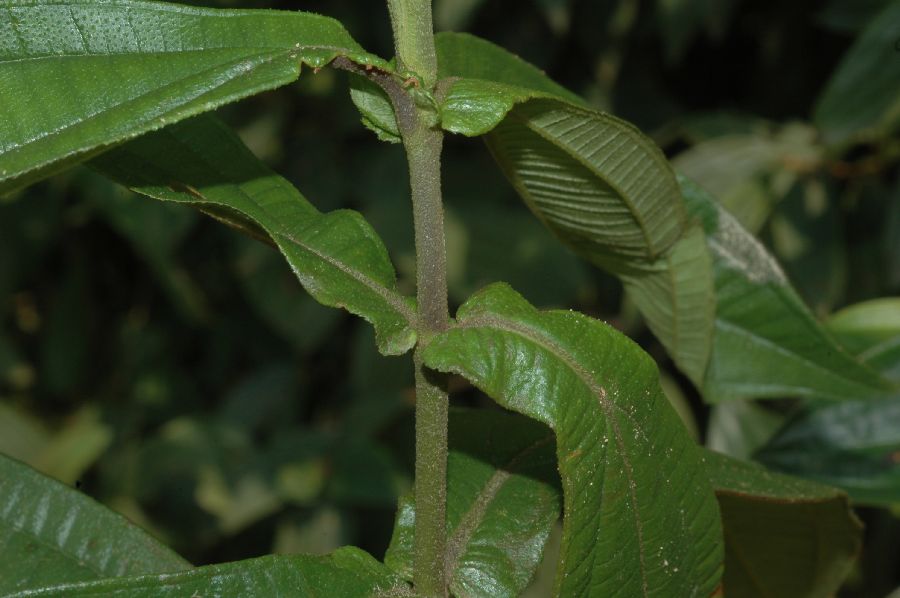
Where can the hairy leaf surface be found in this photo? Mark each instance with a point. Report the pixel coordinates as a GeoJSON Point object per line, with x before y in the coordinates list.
{"type": "Point", "coordinates": [77, 76]}
{"type": "Point", "coordinates": [503, 498]}
{"type": "Point", "coordinates": [784, 537]}
{"type": "Point", "coordinates": [347, 572]}
{"type": "Point", "coordinates": [337, 256]}
{"type": "Point", "coordinates": [767, 343]}
{"type": "Point", "coordinates": [50, 533]}
{"type": "Point", "coordinates": [640, 516]}
{"type": "Point", "coordinates": [596, 181]}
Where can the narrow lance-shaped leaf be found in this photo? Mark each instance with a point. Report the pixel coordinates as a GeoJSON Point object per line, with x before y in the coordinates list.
{"type": "Point", "coordinates": [784, 537]}
{"type": "Point", "coordinates": [503, 498]}
{"type": "Point", "coordinates": [640, 516]}
{"type": "Point", "coordinates": [80, 75]}
{"type": "Point", "coordinates": [348, 572]}
{"type": "Point", "coordinates": [600, 185]}
{"type": "Point", "coordinates": [337, 256]}
{"type": "Point", "coordinates": [50, 533]}
{"type": "Point", "coordinates": [767, 343]}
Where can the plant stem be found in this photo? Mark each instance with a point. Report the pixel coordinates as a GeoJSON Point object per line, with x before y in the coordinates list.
{"type": "Point", "coordinates": [414, 38]}
{"type": "Point", "coordinates": [414, 42]}
{"type": "Point", "coordinates": [423, 151]}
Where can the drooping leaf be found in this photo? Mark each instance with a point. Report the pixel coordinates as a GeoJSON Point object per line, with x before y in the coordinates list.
{"type": "Point", "coordinates": [784, 537]}
{"type": "Point", "coordinates": [853, 445]}
{"type": "Point", "coordinates": [337, 256]}
{"type": "Point", "coordinates": [81, 75]}
{"type": "Point", "coordinates": [862, 99]}
{"type": "Point", "coordinates": [600, 185]}
{"type": "Point", "coordinates": [503, 498]}
{"type": "Point", "coordinates": [50, 534]}
{"type": "Point", "coordinates": [346, 572]}
{"type": "Point", "coordinates": [767, 343]}
{"type": "Point", "coordinates": [640, 517]}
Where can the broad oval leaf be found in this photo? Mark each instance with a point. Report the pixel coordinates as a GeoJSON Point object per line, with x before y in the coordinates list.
{"type": "Point", "coordinates": [853, 445]}
{"type": "Point", "coordinates": [347, 572]}
{"type": "Point", "coordinates": [50, 533]}
{"type": "Point", "coordinates": [80, 75]}
{"type": "Point", "coordinates": [600, 185]}
{"type": "Point", "coordinates": [862, 99]}
{"type": "Point", "coordinates": [503, 498]}
{"type": "Point", "coordinates": [767, 343]}
{"type": "Point", "coordinates": [640, 516]}
{"type": "Point", "coordinates": [337, 256]}
{"type": "Point", "coordinates": [784, 537]}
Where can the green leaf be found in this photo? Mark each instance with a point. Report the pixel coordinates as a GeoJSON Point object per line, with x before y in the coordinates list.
{"type": "Point", "coordinates": [784, 537]}
{"type": "Point", "coordinates": [81, 75]}
{"type": "Point", "coordinates": [863, 326]}
{"type": "Point", "coordinates": [50, 533]}
{"type": "Point", "coordinates": [503, 499]}
{"type": "Point", "coordinates": [346, 572]}
{"type": "Point", "coordinates": [337, 256]}
{"type": "Point", "coordinates": [599, 184]}
{"type": "Point", "coordinates": [767, 343]}
{"type": "Point", "coordinates": [640, 517]}
{"type": "Point", "coordinates": [862, 99]}
{"type": "Point", "coordinates": [854, 446]}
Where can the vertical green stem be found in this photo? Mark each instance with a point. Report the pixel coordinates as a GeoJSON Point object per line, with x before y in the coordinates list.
{"type": "Point", "coordinates": [414, 37]}
{"type": "Point", "coordinates": [423, 149]}
{"type": "Point", "coordinates": [414, 42]}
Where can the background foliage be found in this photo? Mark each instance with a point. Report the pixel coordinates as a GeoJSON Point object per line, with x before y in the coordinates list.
{"type": "Point", "coordinates": [177, 372]}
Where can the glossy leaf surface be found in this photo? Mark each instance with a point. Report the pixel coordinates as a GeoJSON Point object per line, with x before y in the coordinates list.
{"type": "Point", "coordinates": [347, 572]}
{"type": "Point", "coordinates": [78, 76]}
{"type": "Point", "coordinates": [784, 537]}
{"type": "Point", "coordinates": [596, 181]}
{"type": "Point", "coordinates": [640, 517]}
{"type": "Point", "coordinates": [50, 533]}
{"type": "Point", "coordinates": [854, 446]}
{"type": "Point", "coordinates": [767, 343]}
{"type": "Point", "coordinates": [503, 499]}
{"type": "Point", "coordinates": [337, 256]}
{"type": "Point", "coordinates": [862, 99]}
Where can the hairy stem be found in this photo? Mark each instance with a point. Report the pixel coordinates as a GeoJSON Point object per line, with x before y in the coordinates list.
{"type": "Point", "coordinates": [423, 150]}
{"type": "Point", "coordinates": [414, 37]}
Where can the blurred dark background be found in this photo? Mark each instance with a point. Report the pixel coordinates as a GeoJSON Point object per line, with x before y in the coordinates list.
{"type": "Point", "coordinates": [177, 372]}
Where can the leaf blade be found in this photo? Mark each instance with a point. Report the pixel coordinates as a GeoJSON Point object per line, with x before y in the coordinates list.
{"type": "Point", "coordinates": [337, 256]}
{"type": "Point", "coordinates": [80, 75]}
{"type": "Point", "coordinates": [54, 534]}
{"type": "Point", "coordinates": [503, 499]}
{"type": "Point", "coordinates": [530, 361]}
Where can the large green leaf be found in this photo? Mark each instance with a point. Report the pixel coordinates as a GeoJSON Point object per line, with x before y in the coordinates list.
{"type": "Point", "coordinates": [640, 516]}
{"type": "Point", "coordinates": [50, 533]}
{"type": "Point", "coordinates": [853, 445]}
{"type": "Point", "coordinates": [347, 572]}
{"type": "Point", "coordinates": [80, 75]}
{"type": "Point", "coordinates": [503, 498]}
{"type": "Point", "coordinates": [599, 184]}
{"type": "Point", "coordinates": [337, 256]}
{"type": "Point", "coordinates": [862, 99]}
{"type": "Point", "coordinates": [784, 537]}
{"type": "Point", "coordinates": [767, 343]}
